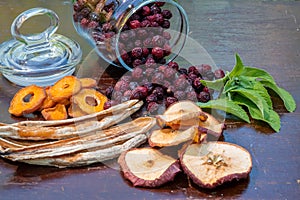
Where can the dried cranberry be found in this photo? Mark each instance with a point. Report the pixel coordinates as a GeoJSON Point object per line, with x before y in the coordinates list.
{"type": "Point", "coordinates": [92, 24]}
{"type": "Point", "coordinates": [167, 49]}
{"type": "Point", "coordinates": [169, 73]}
{"type": "Point", "coordinates": [193, 69]}
{"type": "Point", "coordinates": [146, 11]}
{"type": "Point", "coordinates": [150, 63]}
{"type": "Point", "coordinates": [139, 92]}
{"type": "Point", "coordinates": [158, 77]}
{"type": "Point", "coordinates": [173, 65]}
{"type": "Point", "coordinates": [134, 24]}
{"type": "Point", "coordinates": [192, 76]}
{"type": "Point", "coordinates": [158, 41]}
{"type": "Point", "coordinates": [117, 96]}
{"type": "Point", "coordinates": [137, 73]}
{"type": "Point", "coordinates": [151, 98]}
{"type": "Point", "coordinates": [203, 97]}
{"type": "Point", "coordinates": [133, 85]}
{"type": "Point", "coordinates": [170, 101]}
{"type": "Point", "coordinates": [151, 18]}
{"type": "Point", "coordinates": [145, 23]}
{"type": "Point", "coordinates": [180, 83]}
{"type": "Point", "coordinates": [109, 104]}
{"type": "Point", "coordinates": [121, 86]}
{"type": "Point", "coordinates": [84, 22]}
{"type": "Point", "coordinates": [147, 42]}
{"type": "Point", "coordinates": [159, 18]}
{"type": "Point", "coordinates": [160, 4]}
{"type": "Point", "coordinates": [127, 93]}
{"type": "Point", "coordinates": [142, 33]}
{"type": "Point", "coordinates": [182, 71]}
{"type": "Point", "coordinates": [152, 107]}
{"type": "Point", "coordinates": [137, 62]}
{"type": "Point", "coordinates": [157, 52]}
{"type": "Point", "coordinates": [197, 84]}
{"type": "Point", "coordinates": [166, 35]}
{"type": "Point", "coordinates": [191, 96]}
{"type": "Point", "coordinates": [145, 52]}
{"type": "Point", "coordinates": [138, 43]}
{"type": "Point", "coordinates": [137, 52]}
{"type": "Point", "coordinates": [150, 86]}
{"type": "Point", "coordinates": [149, 72]}
{"type": "Point", "coordinates": [219, 73]}
{"type": "Point", "coordinates": [154, 24]}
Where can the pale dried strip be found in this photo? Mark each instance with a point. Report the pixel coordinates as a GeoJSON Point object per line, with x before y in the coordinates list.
{"type": "Point", "coordinates": [102, 139]}
{"type": "Point", "coordinates": [89, 157]}
{"type": "Point", "coordinates": [62, 132]}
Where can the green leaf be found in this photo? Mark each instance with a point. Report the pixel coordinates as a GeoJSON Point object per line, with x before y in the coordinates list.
{"type": "Point", "coordinates": [227, 106]}
{"type": "Point", "coordinates": [253, 96]}
{"type": "Point", "coordinates": [270, 117]}
{"type": "Point", "coordinates": [259, 87]}
{"type": "Point", "coordinates": [238, 68]}
{"type": "Point", "coordinates": [258, 74]}
{"type": "Point", "coordinates": [216, 84]}
{"type": "Point", "coordinates": [286, 97]}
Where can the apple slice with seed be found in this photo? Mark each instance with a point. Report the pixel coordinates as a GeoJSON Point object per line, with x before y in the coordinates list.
{"type": "Point", "coordinates": [148, 167]}
{"type": "Point", "coordinates": [214, 163]}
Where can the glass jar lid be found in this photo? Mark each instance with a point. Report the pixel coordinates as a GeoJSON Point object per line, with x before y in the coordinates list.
{"type": "Point", "coordinates": [41, 58]}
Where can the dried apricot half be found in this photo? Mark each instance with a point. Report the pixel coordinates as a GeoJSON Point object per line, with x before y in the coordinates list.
{"type": "Point", "coordinates": [27, 100]}
{"type": "Point", "coordinates": [58, 112]}
{"type": "Point", "coordinates": [65, 88]}
{"type": "Point", "coordinates": [89, 100]}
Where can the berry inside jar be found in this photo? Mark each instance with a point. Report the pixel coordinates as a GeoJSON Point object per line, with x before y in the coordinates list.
{"type": "Point", "coordinates": [132, 33]}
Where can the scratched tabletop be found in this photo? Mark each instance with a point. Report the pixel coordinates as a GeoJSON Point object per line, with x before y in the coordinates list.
{"type": "Point", "coordinates": [266, 34]}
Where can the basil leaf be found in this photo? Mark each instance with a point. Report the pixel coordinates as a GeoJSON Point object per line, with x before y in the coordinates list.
{"type": "Point", "coordinates": [254, 96]}
{"type": "Point", "coordinates": [227, 106]}
{"type": "Point", "coordinates": [258, 74]}
{"type": "Point", "coordinates": [238, 68]}
{"type": "Point", "coordinates": [270, 117]}
{"type": "Point", "coordinates": [286, 97]}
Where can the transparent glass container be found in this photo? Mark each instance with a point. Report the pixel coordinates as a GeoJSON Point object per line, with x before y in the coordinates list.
{"type": "Point", "coordinates": [129, 33]}
{"type": "Point", "coordinates": [38, 58]}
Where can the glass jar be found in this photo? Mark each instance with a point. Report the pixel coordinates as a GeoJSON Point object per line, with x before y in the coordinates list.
{"type": "Point", "coordinates": [129, 33]}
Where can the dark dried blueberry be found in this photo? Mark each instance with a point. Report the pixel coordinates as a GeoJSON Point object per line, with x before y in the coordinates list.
{"type": "Point", "coordinates": [117, 96]}
{"type": "Point", "coordinates": [135, 16]}
{"type": "Point", "coordinates": [137, 73]}
{"type": "Point", "coordinates": [191, 96]}
{"type": "Point", "coordinates": [134, 24]}
{"type": "Point", "coordinates": [210, 75]}
{"type": "Point", "coordinates": [157, 52]}
{"type": "Point", "coordinates": [124, 36]}
{"type": "Point", "coordinates": [152, 107]}
{"type": "Point", "coordinates": [193, 69]}
{"type": "Point", "coordinates": [165, 24]}
{"type": "Point", "coordinates": [159, 91]}
{"type": "Point", "coordinates": [159, 18]}
{"type": "Point", "coordinates": [155, 9]}
{"type": "Point", "coordinates": [133, 85]}
{"type": "Point", "coordinates": [170, 100]}
{"type": "Point", "coordinates": [77, 6]}
{"type": "Point", "coordinates": [203, 97]}
{"type": "Point", "coordinates": [173, 65]}
{"type": "Point", "coordinates": [166, 14]}
{"type": "Point", "coordinates": [180, 83]}
{"type": "Point", "coordinates": [159, 4]}
{"type": "Point", "coordinates": [109, 104]}
{"type": "Point", "coordinates": [219, 73]}
{"type": "Point", "coordinates": [204, 68]}
{"type": "Point", "coordinates": [94, 16]}
{"type": "Point", "coordinates": [150, 86]}
{"type": "Point", "coordinates": [137, 52]}
{"type": "Point", "coordinates": [167, 84]}
{"type": "Point", "coordinates": [138, 43]}
{"type": "Point", "coordinates": [183, 71]}
{"type": "Point", "coordinates": [147, 42]}
{"type": "Point", "coordinates": [192, 76]}
{"type": "Point", "coordinates": [158, 77]}
{"type": "Point", "coordinates": [151, 98]}
{"type": "Point", "coordinates": [85, 12]}
{"type": "Point", "coordinates": [127, 93]}
{"type": "Point", "coordinates": [179, 94]}
{"type": "Point", "coordinates": [108, 91]}
{"type": "Point", "coordinates": [142, 33]}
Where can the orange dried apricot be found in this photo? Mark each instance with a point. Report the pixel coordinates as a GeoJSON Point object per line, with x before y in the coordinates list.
{"type": "Point", "coordinates": [58, 112]}
{"type": "Point", "coordinates": [89, 100]}
{"type": "Point", "coordinates": [27, 100]}
{"type": "Point", "coordinates": [48, 102]}
{"type": "Point", "coordinates": [65, 88]}
{"type": "Point", "coordinates": [88, 82]}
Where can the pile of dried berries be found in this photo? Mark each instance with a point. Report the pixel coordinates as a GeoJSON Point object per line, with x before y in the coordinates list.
{"type": "Point", "coordinates": [144, 36]}
{"type": "Point", "coordinates": [161, 86]}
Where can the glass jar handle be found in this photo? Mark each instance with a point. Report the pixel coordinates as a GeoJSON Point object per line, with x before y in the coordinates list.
{"type": "Point", "coordinates": [35, 39]}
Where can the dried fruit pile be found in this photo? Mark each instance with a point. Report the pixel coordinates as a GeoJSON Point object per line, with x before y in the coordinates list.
{"type": "Point", "coordinates": [68, 97]}
{"type": "Point", "coordinates": [144, 35]}
{"type": "Point", "coordinates": [207, 163]}
{"type": "Point", "coordinates": [159, 86]}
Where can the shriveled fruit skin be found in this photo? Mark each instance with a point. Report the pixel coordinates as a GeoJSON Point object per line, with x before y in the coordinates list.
{"type": "Point", "coordinates": [215, 179]}
{"type": "Point", "coordinates": [167, 176]}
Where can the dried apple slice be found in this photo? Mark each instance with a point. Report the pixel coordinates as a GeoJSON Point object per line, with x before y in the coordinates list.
{"type": "Point", "coordinates": [169, 137]}
{"type": "Point", "coordinates": [147, 167]}
{"type": "Point", "coordinates": [214, 163]}
{"type": "Point", "coordinates": [184, 114]}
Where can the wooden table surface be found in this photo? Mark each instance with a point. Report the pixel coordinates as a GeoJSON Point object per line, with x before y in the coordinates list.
{"type": "Point", "coordinates": [266, 34]}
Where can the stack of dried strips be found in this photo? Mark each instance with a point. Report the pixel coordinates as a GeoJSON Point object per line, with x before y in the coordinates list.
{"type": "Point", "coordinates": [76, 141]}
{"type": "Point", "coordinates": [207, 163]}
